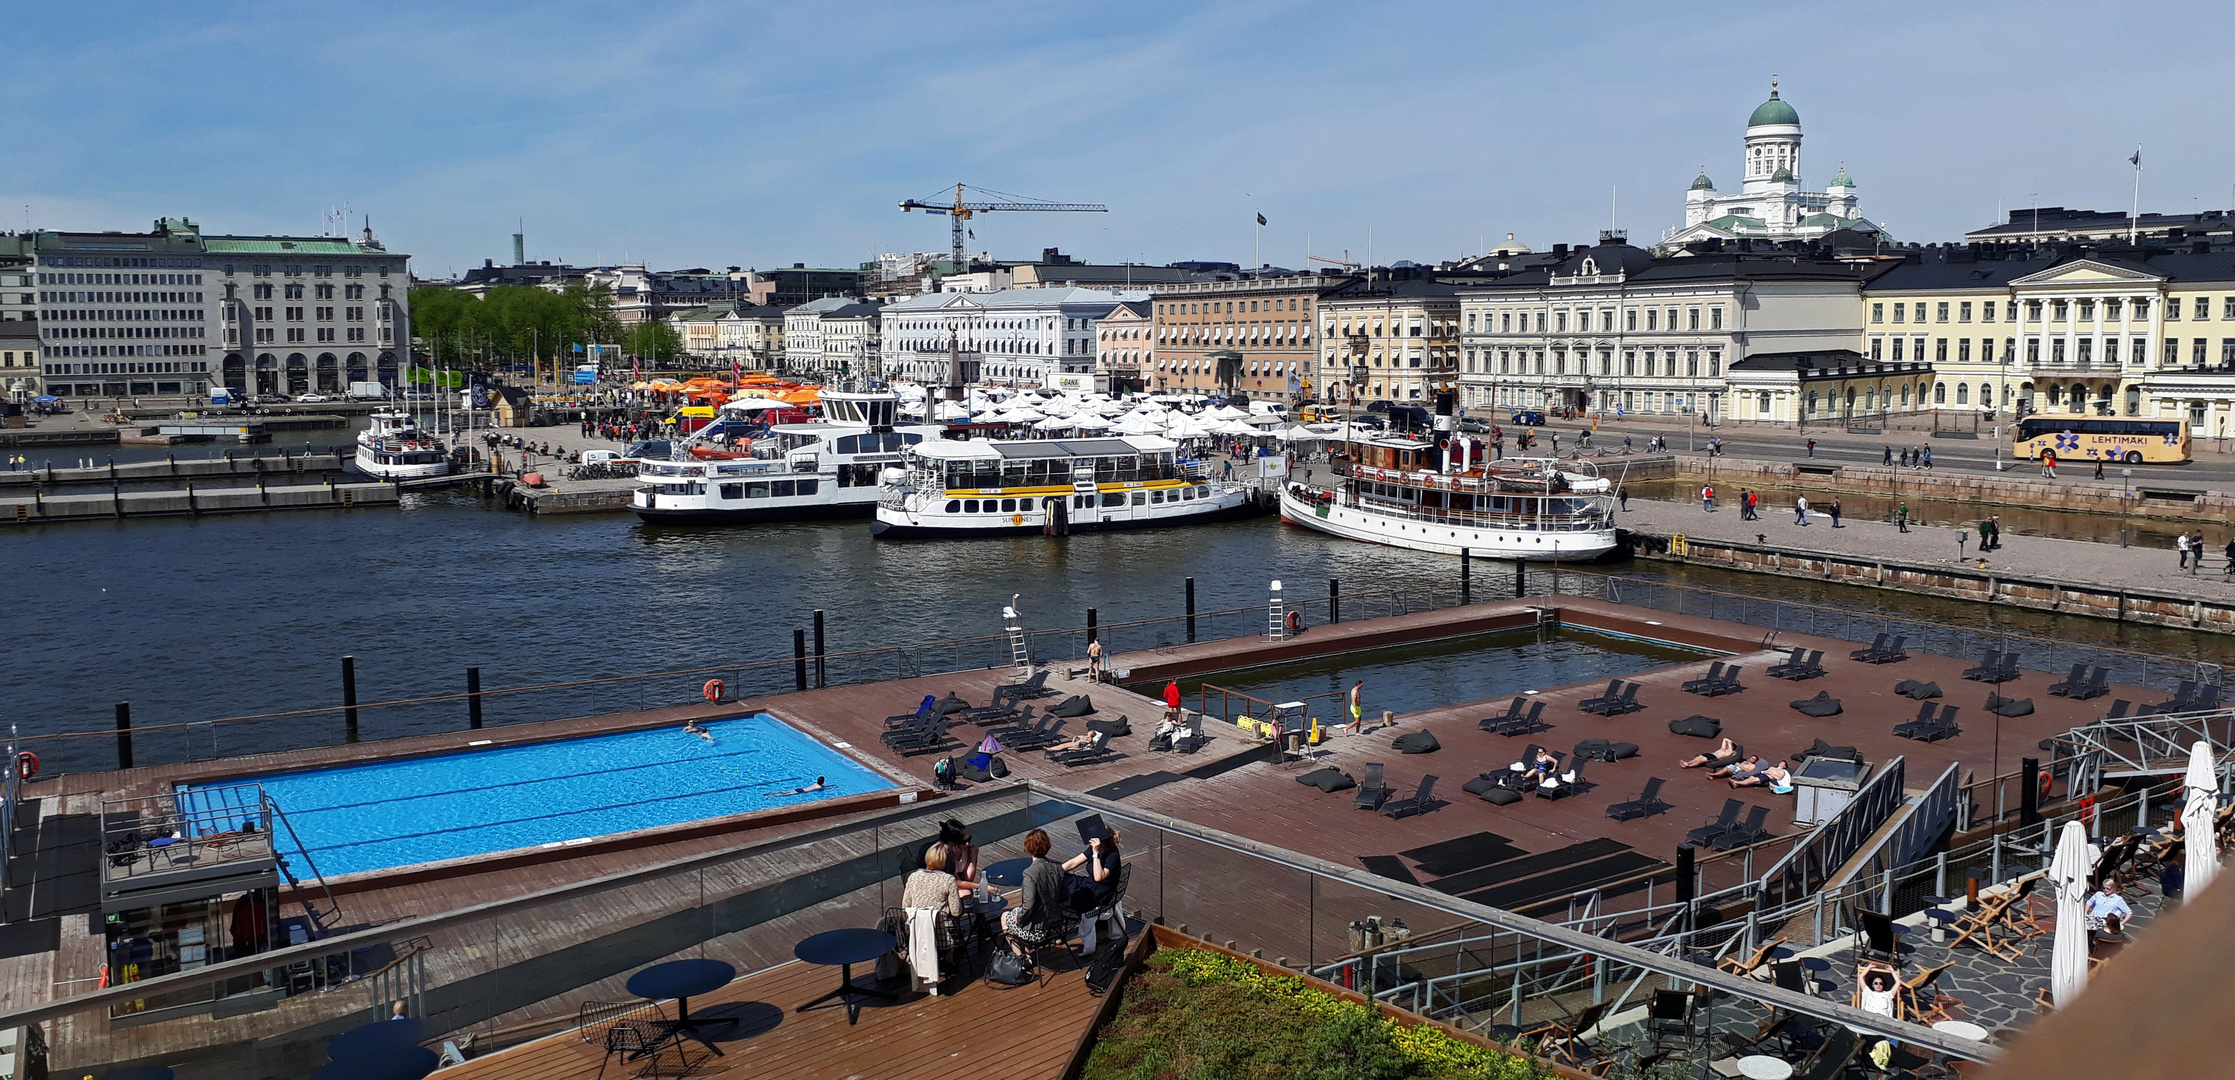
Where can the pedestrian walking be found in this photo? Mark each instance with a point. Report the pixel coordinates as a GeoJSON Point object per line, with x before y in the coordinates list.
{"type": "Point", "coordinates": [1889, 453]}
{"type": "Point", "coordinates": [2230, 559]}
{"type": "Point", "coordinates": [1800, 510]}
{"type": "Point", "coordinates": [1094, 660]}
{"type": "Point", "coordinates": [1707, 499]}
{"type": "Point", "coordinates": [2049, 464]}
{"type": "Point", "coordinates": [1834, 511]}
{"type": "Point", "coordinates": [1811, 448]}
{"type": "Point", "coordinates": [2196, 551]}
{"type": "Point", "coordinates": [1928, 457]}
{"type": "Point", "coordinates": [1901, 517]}
{"type": "Point", "coordinates": [2099, 468]}
{"type": "Point", "coordinates": [1172, 702]}
{"type": "Point", "coordinates": [1745, 505]}
{"type": "Point", "coordinates": [1357, 725]}
{"type": "Point", "coordinates": [2180, 544]}
{"type": "Point", "coordinates": [1623, 496]}
{"type": "Point", "coordinates": [1993, 532]}
{"type": "Point", "coordinates": [1904, 457]}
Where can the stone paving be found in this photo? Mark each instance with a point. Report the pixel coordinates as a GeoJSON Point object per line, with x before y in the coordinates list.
{"type": "Point", "coordinates": [2080, 562]}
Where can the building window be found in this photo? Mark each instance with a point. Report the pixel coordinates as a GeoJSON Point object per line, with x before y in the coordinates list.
{"type": "Point", "coordinates": [2172, 307]}
{"type": "Point", "coordinates": [2033, 351]}
{"type": "Point", "coordinates": [1963, 313]}
{"type": "Point", "coordinates": [1942, 311]}
{"type": "Point", "coordinates": [2172, 352]}
{"type": "Point", "coordinates": [2113, 307]}
{"type": "Point", "coordinates": [1652, 318]}
{"type": "Point", "coordinates": [1897, 350]}
{"type": "Point", "coordinates": [2056, 351]}
{"type": "Point", "coordinates": [1940, 350]}
{"type": "Point", "coordinates": [1629, 356]}
{"type": "Point", "coordinates": [1715, 364]}
{"type": "Point", "coordinates": [1715, 318]}
{"type": "Point", "coordinates": [2203, 307]}
{"type": "Point", "coordinates": [1963, 394]}
{"type": "Point", "coordinates": [2196, 352]}
{"type": "Point", "coordinates": [1901, 312]}
{"type": "Point", "coordinates": [2087, 311]}
{"type": "Point", "coordinates": [1877, 349]}
{"type": "Point", "coordinates": [1629, 319]}
{"type": "Point", "coordinates": [1940, 393]}
{"type": "Point", "coordinates": [1878, 312]}
{"type": "Point", "coordinates": [1986, 311]}
{"type": "Point", "coordinates": [1963, 349]}
{"type": "Point", "coordinates": [1692, 319]}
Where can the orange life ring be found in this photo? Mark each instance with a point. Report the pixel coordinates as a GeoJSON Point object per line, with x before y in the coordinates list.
{"type": "Point", "coordinates": [1295, 621]}
{"type": "Point", "coordinates": [712, 690]}
{"type": "Point", "coordinates": [27, 765]}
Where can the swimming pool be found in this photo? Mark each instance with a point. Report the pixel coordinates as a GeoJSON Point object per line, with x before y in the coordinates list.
{"type": "Point", "coordinates": [397, 813]}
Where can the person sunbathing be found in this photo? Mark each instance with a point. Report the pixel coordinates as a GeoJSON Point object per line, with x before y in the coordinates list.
{"type": "Point", "coordinates": [1736, 769]}
{"type": "Point", "coordinates": [1775, 778]}
{"type": "Point", "coordinates": [1725, 750]}
{"type": "Point", "coordinates": [1080, 743]}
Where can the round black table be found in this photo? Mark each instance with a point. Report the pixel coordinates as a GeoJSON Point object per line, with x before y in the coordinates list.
{"type": "Point", "coordinates": [1009, 872]}
{"type": "Point", "coordinates": [679, 979]}
{"type": "Point", "coordinates": [844, 949]}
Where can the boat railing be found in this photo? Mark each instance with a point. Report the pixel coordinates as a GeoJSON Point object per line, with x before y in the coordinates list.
{"type": "Point", "coordinates": [1549, 522]}
{"type": "Point", "coordinates": [1437, 481]}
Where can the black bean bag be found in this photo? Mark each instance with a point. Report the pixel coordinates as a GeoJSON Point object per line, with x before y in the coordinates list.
{"type": "Point", "coordinates": [1415, 742]}
{"type": "Point", "coordinates": [1479, 784]}
{"type": "Point", "coordinates": [1595, 749]}
{"type": "Point", "coordinates": [1116, 729]}
{"type": "Point", "coordinates": [1922, 691]}
{"type": "Point", "coordinates": [1822, 705]}
{"type": "Point", "coordinates": [1075, 705]}
{"type": "Point", "coordinates": [1697, 726]}
{"type": "Point", "coordinates": [1501, 796]}
{"type": "Point", "coordinates": [948, 704]}
{"type": "Point", "coordinates": [2002, 706]}
{"type": "Point", "coordinates": [1329, 779]}
{"type": "Point", "coordinates": [1620, 750]}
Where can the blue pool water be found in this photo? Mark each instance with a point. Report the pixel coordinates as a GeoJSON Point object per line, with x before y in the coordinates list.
{"type": "Point", "coordinates": [396, 813]}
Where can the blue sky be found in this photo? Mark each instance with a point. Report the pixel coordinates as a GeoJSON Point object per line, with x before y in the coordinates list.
{"type": "Point", "coordinates": [714, 134]}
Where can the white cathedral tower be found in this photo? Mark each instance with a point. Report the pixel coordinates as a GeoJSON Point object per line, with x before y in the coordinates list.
{"type": "Point", "coordinates": [1770, 203]}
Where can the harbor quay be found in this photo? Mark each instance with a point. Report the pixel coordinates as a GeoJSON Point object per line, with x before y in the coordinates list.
{"type": "Point", "coordinates": [227, 916]}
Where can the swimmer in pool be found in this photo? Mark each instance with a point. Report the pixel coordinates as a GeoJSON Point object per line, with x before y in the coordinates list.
{"type": "Point", "coordinates": [818, 785]}
{"type": "Point", "coordinates": [692, 727]}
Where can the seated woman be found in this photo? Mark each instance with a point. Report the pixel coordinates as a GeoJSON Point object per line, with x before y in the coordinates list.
{"type": "Point", "coordinates": [961, 852]}
{"type": "Point", "coordinates": [1039, 914]}
{"type": "Point", "coordinates": [1748, 767]}
{"type": "Point", "coordinates": [1543, 765]}
{"type": "Point", "coordinates": [1878, 989]}
{"type": "Point", "coordinates": [1725, 750]}
{"type": "Point", "coordinates": [1775, 778]}
{"type": "Point", "coordinates": [1092, 890]}
{"type": "Point", "coordinates": [933, 886]}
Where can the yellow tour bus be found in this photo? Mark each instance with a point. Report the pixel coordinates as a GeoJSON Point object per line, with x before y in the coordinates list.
{"type": "Point", "coordinates": [2079, 438]}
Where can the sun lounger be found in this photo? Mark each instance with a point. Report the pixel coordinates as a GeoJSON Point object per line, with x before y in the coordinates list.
{"type": "Point", "coordinates": [1562, 784]}
{"type": "Point", "coordinates": [1418, 803]}
{"type": "Point", "coordinates": [1096, 751]}
{"type": "Point", "coordinates": [1714, 675]}
{"type": "Point", "coordinates": [911, 729]}
{"type": "Point", "coordinates": [1802, 665]}
{"type": "Point", "coordinates": [1929, 726]}
{"type": "Point", "coordinates": [1647, 803]}
{"type": "Point", "coordinates": [1883, 651]}
{"type": "Point", "coordinates": [1528, 723]}
{"type": "Point", "coordinates": [1752, 830]}
{"type": "Point", "coordinates": [1986, 669]}
{"type": "Point", "coordinates": [1720, 825]}
{"type": "Point", "coordinates": [1727, 684]}
{"type": "Point", "coordinates": [1612, 695]}
{"type": "Point", "coordinates": [1824, 751]}
{"type": "Point", "coordinates": [1737, 754]}
{"type": "Point", "coordinates": [1372, 789]}
{"type": "Point", "coordinates": [922, 740]}
{"type": "Point", "coordinates": [923, 712]}
{"type": "Point", "coordinates": [1019, 692]}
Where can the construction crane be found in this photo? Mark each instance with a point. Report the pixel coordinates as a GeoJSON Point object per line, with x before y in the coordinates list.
{"type": "Point", "coordinates": [960, 212]}
{"type": "Point", "coordinates": [1343, 262]}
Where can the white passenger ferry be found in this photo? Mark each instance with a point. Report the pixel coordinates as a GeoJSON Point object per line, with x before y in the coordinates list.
{"type": "Point", "coordinates": [795, 472]}
{"type": "Point", "coordinates": [1438, 491]}
{"type": "Point", "coordinates": [985, 487]}
{"type": "Point", "coordinates": [393, 448]}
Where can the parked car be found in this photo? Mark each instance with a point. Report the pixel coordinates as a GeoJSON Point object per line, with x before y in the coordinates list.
{"type": "Point", "coordinates": [1530, 417]}
{"type": "Point", "coordinates": [312, 399]}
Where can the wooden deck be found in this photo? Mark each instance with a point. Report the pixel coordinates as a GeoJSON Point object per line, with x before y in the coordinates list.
{"type": "Point", "coordinates": [1022, 1033]}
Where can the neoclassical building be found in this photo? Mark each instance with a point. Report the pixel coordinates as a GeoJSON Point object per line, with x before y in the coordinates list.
{"type": "Point", "coordinates": [1770, 203]}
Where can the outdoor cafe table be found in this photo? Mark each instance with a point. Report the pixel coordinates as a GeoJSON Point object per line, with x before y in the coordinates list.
{"type": "Point", "coordinates": [1009, 872]}
{"type": "Point", "coordinates": [845, 948]}
{"type": "Point", "coordinates": [679, 979]}
{"type": "Point", "coordinates": [383, 1062]}
{"type": "Point", "coordinates": [1764, 1067]}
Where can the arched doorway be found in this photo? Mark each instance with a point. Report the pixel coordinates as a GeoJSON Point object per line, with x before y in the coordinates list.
{"type": "Point", "coordinates": [298, 374]}
{"type": "Point", "coordinates": [329, 373]}
{"type": "Point", "coordinates": [235, 372]}
{"type": "Point", "coordinates": [357, 367]}
{"type": "Point", "coordinates": [2133, 401]}
{"type": "Point", "coordinates": [267, 373]}
{"type": "Point", "coordinates": [387, 369]}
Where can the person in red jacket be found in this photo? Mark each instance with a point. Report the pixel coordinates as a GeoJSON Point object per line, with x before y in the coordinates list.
{"type": "Point", "coordinates": [1172, 701]}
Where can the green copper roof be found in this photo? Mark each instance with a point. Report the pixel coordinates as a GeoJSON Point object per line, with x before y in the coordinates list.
{"type": "Point", "coordinates": [274, 245]}
{"type": "Point", "coordinates": [1841, 179]}
{"type": "Point", "coordinates": [1703, 183]}
{"type": "Point", "coordinates": [1783, 175]}
{"type": "Point", "coordinates": [1773, 111]}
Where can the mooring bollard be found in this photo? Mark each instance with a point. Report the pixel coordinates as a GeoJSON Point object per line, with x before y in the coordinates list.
{"type": "Point", "coordinates": [473, 697]}
{"type": "Point", "coordinates": [1334, 600]}
{"type": "Point", "coordinates": [822, 672]}
{"type": "Point", "coordinates": [123, 734]}
{"type": "Point", "coordinates": [1191, 609]}
{"type": "Point", "coordinates": [799, 659]}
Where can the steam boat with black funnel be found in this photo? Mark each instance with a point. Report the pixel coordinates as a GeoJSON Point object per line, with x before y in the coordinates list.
{"type": "Point", "coordinates": [1439, 490]}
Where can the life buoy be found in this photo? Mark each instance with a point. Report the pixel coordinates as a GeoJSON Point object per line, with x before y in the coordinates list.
{"type": "Point", "coordinates": [27, 765]}
{"type": "Point", "coordinates": [1295, 621]}
{"type": "Point", "coordinates": [712, 690]}
{"type": "Point", "coordinates": [2087, 810]}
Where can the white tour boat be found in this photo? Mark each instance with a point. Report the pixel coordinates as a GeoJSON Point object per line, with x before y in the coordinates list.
{"type": "Point", "coordinates": [393, 448]}
{"type": "Point", "coordinates": [993, 487]}
{"type": "Point", "coordinates": [830, 468]}
{"type": "Point", "coordinates": [1438, 491]}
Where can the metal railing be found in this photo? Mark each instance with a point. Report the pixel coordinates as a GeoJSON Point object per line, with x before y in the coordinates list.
{"type": "Point", "coordinates": [1812, 862]}
{"type": "Point", "coordinates": [2157, 744]}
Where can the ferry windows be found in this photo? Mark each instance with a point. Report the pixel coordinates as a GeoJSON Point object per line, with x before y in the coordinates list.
{"type": "Point", "coordinates": [1113, 498]}
{"type": "Point", "coordinates": [780, 489]}
{"type": "Point", "coordinates": [733, 491]}
{"type": "Point", "coordinates": [969, 506]}
{"type": "Point", "coordinates": [1157, 496]}
{"type": "Point", "coordinates": [807, 487]}
{"type": "Point", "coordinates": [1140, 498]}
{"type": "Point", "coordinates": [1008, 506]}
{"type": "Point", "coordinates": [1202, 491]}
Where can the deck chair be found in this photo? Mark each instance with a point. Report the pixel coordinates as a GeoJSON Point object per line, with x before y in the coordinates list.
{"type": "Point", "coordinates": [1714, 675]}
{"type": "Point", "coordinates": [1418, 803]}
{"type": "Point", "coordinates": [1668, 1020]}
{"type": "Point", "coordinates": [2073, 680]}
{"type": "Point", "coordinates": [1928, 717]}
{"type": "Point", "coordinates": [1783, 669]}
{"type": "Point", "coordinates": [1752, 830]}
{"type": "Point", "coordinates": [923, 712]}
{"type": "Point", "coordinates": [1728, 684]}
{"type": "Point", "coordinates": [1748, 965]}
{"type": "Point", "coordinates": [1874, 936]}
{"type": "Point", "coordinates": [2098, 684]}
{"type": "Point", "coordinates": [1986, 670]}
{"type": "Point", "coordinates": [1562, 1040]}
{"type": "Point", "coordinates": [1627, 703]}
{"type": "Point", "coordinates": [1874, 648]}
{"type": "Point", "coordinates": [912, 729]}
{"type": "Point", "coordinates": [1832, 1058]}
{"type": "Point", "coordinates": [1647, 803]}
{"type": "Point", "coordinates": [1372, 789]}
{"type": "Point", "coordinates": [1495, 724]}
{"type": "Point", "coordinates": [1986, 927]}
{"type": "Point", "coordinates": [1527, 723]}
{"type": "Point", "coordinates": [1719, 825]}
{"type": "Point", "coordinates": [1612, 695]}
{"type": "Point", "coordinates": [1563, 784]}
{"type": "Point", "coordinates": [926, 740]}
{"type": "Point", "coordinates": [1040, 738]}
{"type": "Point", "coordinates": [1096, 751]}
{"type": "Point", "coordinates": [1019, 692]}
{"type": "Point", "coordinates": [1926, 1003]}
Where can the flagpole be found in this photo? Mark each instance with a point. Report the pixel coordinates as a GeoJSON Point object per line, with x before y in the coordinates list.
{"type": "Point", "coordinates": [2134, 219]}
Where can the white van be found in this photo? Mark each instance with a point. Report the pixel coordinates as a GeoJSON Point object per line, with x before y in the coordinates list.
{"type": "Point", "coordinates": [1270, 408]}
{"type": "Point", "coordinates": [368, 391]}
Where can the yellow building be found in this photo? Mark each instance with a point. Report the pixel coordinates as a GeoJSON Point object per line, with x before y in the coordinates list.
{"type": "Point", "coordinates": [1391, 341]}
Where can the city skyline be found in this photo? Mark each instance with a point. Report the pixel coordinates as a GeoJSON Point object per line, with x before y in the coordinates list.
{"type": "Point", "coordinates": [713, 135]}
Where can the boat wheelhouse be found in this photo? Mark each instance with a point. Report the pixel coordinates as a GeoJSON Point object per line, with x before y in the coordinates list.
{"type": "Point", "coordinates": [988, 487]}
{"type": "Point", "coordinates": [392, 447]}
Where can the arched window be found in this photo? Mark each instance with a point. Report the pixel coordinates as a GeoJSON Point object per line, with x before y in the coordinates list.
{"type": "Point", "coordinates": [1963, 394]}
{"type": "Point", "coordinates": [1940, 393]}
{"type": "Point", "coordinates": [1812, 402]}
{"type": "Point", "coordinates": [1986, 394]}
{"type": "Point", "coordinates": [1765, 403]}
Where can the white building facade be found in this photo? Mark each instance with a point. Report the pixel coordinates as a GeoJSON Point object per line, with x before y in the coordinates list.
{"type": "Point", "coordinates": [1770, 203]}
{"type": "Point", "coordinates": [1021, 337]}
{"type": "Point", "coordinates": [836, 337]}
